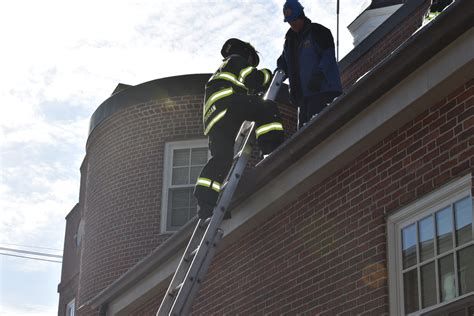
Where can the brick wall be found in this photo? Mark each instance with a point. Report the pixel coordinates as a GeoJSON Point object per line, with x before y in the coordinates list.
{"type": "Point", "coordinates": [325, 253]}
{"type": "Point", "coordinates": [384, 47]}
{"type": "Point", "coordinates": [122, 194]}
{"type": "Point", "coordinates": [67, 289]}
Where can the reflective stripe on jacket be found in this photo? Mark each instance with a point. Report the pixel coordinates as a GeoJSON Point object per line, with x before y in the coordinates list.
{"type": "Point", "coordinates": [235, 75]}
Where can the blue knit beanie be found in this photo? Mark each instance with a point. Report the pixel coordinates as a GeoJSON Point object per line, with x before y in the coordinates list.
{"type": "Point", "coordinates": [292, 9]}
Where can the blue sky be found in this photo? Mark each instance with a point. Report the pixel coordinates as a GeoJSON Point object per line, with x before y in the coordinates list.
{"type": "Point", "coordinates": [59, 61]}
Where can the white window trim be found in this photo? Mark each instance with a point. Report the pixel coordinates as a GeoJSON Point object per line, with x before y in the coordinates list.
{"type": "Point", "coordinates": [438, 199]}
{"type": "Point", "coordinates": [72, 305]}
{"type": "Point", "coordinates": [169, 147]}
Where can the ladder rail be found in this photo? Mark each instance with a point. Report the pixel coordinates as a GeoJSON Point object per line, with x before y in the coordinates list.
{"type": "Point", "coordinates": [186, 309]}
{"type": "Point", "coordinates": [180, 273]}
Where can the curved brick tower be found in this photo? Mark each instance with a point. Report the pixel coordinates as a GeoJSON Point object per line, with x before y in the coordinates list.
{"type": "Point", "coordinates": [123, 174]}
{"type": "Point", "coordinates": [122, 194]}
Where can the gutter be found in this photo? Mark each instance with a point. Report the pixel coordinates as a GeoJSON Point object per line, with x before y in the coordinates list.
{"type": "Point", "coordinates": [423, 45]}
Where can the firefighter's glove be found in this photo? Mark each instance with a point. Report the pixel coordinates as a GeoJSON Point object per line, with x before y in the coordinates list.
{"type": "Point", "coordinates": [316, 81]}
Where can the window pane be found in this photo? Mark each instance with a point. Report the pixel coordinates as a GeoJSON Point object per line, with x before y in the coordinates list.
{"type": "Point", "coordinates": [463, 215]}
{"type": "Point", "coordinates": [180, 176]}
{"type": "Point", "coordinates": [180, 157]}
{"type": "Point", "coordinates": [199, 156]}
{"type": "Point", "coordinates": [179, 217]}
{"type": "Point", "coordinates": [444, 226]}
{"type": "Point", "coordinates": [409, 246]}
{"type": "Point", "coordinates": [466, 270]}
{"type": "Point", "coordinates": [426, 231]}
{"type": "Point", "coordinates": [428, 285]}
{"type": "Point", "coordinates": [179, 198]}
{"type": "Point", "coordinates": [182, 206]}
{"type": "Point", "coordinates": [193, 203]}
{"type": "Point", "coordinates": [195, 171]}
{"type": "Point", "coordinates": [410, 285]}
{"type": "Point", "coordinates": [446, 278]}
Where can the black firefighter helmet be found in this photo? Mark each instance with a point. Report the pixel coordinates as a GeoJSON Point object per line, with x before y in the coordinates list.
{"type": "Point", "coordinates": [241, 48]}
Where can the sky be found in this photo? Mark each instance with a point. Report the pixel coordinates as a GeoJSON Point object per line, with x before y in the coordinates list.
{"type": "Point", "coordinates": [59, 61]}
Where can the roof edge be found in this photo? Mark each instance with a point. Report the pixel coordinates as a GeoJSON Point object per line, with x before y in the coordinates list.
{"type": "Point", "coordinates": [144, 92]}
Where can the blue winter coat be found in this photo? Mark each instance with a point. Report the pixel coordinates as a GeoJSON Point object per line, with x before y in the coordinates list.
{"type": "Point", "coordinates": [305, 54]}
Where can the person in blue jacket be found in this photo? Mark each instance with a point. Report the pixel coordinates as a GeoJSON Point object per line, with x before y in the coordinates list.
{"type": "Point", "coordinates": [308, 60]}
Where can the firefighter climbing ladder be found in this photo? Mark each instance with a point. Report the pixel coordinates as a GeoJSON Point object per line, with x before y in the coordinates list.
{"type": "Point", "coordinates": [202, 246]}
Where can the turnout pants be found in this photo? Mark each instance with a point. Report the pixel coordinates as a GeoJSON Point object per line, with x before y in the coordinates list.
{"type": "Point", "coordinates": [240, 108]}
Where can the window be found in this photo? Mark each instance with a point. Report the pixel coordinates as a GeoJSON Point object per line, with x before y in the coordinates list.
{"type": "Point", "coordinates": [71, 308]}
{"type": "Point", "coordinates": [431, 251]}
{"type": "Point", "coordinates": [182, 165]}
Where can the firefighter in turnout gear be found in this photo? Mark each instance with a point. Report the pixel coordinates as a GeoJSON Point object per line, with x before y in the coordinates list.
{"type": "Point", "coordinates": [232, 97]}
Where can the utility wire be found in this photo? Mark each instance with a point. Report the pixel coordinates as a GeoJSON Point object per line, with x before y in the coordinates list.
{"type": "Point", "coordinates": [31, 252]}
{"type": "Point", "coordinates": [26, 246]}
{"type": "Point", "coordinates": [6, 254]}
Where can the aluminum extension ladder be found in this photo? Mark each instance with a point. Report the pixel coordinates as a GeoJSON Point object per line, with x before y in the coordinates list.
{"type": "Point", "coordinates": [202, 246]}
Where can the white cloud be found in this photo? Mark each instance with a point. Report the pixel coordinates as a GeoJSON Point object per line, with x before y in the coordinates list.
{"type": "Point", "coordinates": [36, 213]}
{"type": "Point", "coordinates": [28, 309]}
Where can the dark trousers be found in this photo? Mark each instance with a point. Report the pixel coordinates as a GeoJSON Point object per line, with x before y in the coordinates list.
{"type": "Point", "coordinates": [312, 105]}
{"type": "Point", "coordinates": [240, 108]}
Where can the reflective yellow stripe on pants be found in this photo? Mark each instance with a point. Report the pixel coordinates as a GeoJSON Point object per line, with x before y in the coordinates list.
{"type": "Point", "coordinates": [275, 126]}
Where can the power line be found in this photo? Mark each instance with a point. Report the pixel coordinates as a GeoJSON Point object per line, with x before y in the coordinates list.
{"type": "Point", "coordinates": [31, 252]}
{"type": "Point", "coordinates": [26, 246]}
{"type": "Point", "coordinates": [6, 254]}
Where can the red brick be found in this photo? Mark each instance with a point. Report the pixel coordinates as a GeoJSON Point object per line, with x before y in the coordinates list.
{"type": "Point", "coordinates": [466, 154]}
{"type": "Point", "coordinates": [444, 138]}
{"type": "Point", "coordinates": [468, 123]}
{"type": "Point", "coordinates": [467, 95]}
{"type": "Point", "coordinates": [456, 93]}
{"type": "Point", "coordinates": [457, 149]}
{"type": "Point", "coordinates": [464, 166]}
{"type": "Point", "coordinates": [467, 134]}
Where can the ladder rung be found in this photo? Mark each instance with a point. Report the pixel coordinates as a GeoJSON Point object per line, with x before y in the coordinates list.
{"type": "Point", "coordinates": [192, 254]}
{"type": "Point", "coordinates": [175, 290]}
{"type": "Point", "coordinates": [204, 223]}
{"type": "Point", "coordinates": [224, 185]}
